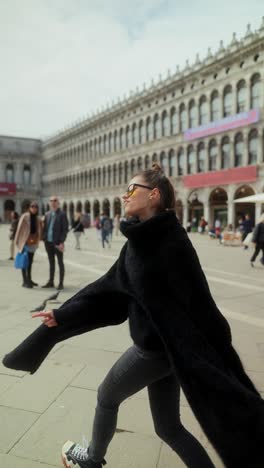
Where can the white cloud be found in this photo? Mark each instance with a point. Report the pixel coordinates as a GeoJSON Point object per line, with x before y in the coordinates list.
{"type": "Point", "coordinates": [61, 59]}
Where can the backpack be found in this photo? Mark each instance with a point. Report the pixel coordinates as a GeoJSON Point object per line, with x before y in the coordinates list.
{"type": "Point", "coordinates": [106, 224]}
{"type": "Point", "coordinates": [86, 220]}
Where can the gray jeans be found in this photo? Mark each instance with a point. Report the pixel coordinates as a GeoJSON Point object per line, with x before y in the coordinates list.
{"type": "Point", "coordinates": [133, 371]}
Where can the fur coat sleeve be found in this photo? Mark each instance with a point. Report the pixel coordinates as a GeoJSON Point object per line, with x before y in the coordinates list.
{"type": "Point", "coordinates": [99, 304]}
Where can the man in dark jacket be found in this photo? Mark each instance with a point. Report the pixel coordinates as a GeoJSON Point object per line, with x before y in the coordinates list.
{"type": "Point", "coordinates": [247, 228]}
{"type": "Point", "coordinates": [258, 240]}
{"type": "Point", "coordinates": [54, 235]}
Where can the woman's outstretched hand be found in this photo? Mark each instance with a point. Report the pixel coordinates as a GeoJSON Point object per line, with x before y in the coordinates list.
{"type": "Point", "coordinates": [47, 318]}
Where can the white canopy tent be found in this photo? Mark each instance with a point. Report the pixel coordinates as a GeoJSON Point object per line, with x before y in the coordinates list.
{"type": "Point", "coordinates": [258, 198]}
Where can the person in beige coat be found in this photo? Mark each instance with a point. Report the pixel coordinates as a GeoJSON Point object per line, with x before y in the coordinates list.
{"type": "Point", "coordinates": [28, 235]}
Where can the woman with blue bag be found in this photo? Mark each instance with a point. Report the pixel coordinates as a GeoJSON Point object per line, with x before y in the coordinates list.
{"type": "Point", "coordinates": [27, 239]}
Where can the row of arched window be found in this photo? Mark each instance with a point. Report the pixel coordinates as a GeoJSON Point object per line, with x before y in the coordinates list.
{"type": "Point", "coordinates": [195, 158]}
{"type": "Point", "coordinates": [10, 174]}
{"type": "Point", "coordinates": [168, 123]}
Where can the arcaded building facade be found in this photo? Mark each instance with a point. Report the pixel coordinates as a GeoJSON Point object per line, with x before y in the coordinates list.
{"type": "Point", "coordinates": [204, 125]}
{"type": "Point", "coordinates": [20, 174]}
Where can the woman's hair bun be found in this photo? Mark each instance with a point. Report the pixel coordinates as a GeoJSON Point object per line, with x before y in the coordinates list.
{"type": "Point", "coordinates": [156, 167]}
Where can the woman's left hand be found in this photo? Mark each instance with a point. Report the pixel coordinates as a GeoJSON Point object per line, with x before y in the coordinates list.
{"type": "Point", "coordinates": [47, 318]}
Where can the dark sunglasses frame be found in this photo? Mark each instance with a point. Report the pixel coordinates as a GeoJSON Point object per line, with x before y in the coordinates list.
{"type": "Point", "coordinates": [53, 199]}
{"type": "Point", "coordinates": [33, 206]}
{"type": "Point", "coordinates": [130, 192]}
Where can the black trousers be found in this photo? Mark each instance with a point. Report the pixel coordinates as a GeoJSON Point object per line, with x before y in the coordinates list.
{"type": "Point", "coordinates": [258, 248]}
{"type": "Point", "coordinates": [133, 371]}
{"type": "Point", "coordinates": [52, 251]}
{"type": "Point", "coordinates": [26, 273]}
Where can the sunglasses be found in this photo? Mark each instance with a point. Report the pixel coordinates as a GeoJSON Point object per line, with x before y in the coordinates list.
{"type": "Point", "coordinates": [53, 199]}
{"type": "Point", "coordinates": [132, 187]}
{"type": "Point", "coordinates": [33, 206]}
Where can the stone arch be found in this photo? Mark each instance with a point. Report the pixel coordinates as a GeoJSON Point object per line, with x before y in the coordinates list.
{"type": "Point", "coordinates": [179, 210]}
{"type": "Point", "coordinates": [87, 207]}
{"type": "Point", "coordinates": [139, 164]}
{"type": "Point", "coordinates": [117, 206]}
{"type": "Point", "coordinates": [147, 162]}
{"type": "Point", "coordinates": [9, 206]}
{"type": "Point", "coordinates": [241, 209]}
{"type": "Point", "coordinates": [96, 208]}
{"type": "Point", "coordinates": [218, 205]}
{"type": "Point", "coordinates": [71, 210]}
{"type": "Point", "coordinates": [25, 205]}
{"type": "Point", "coordinates": [126, 172]}
{"type": "Point", "coordinates": [195, 210]}
{"type": "Point", "coordinates": [106, 207]}
{"type": "Point", "coordinates": [132, 167]}
{"type": "Point", "coordinates": [65, 207]}
{"type": "Point", "coordinates": [79, 206]}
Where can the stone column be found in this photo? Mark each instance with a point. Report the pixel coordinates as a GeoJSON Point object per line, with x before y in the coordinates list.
{"type": "Point", "coordinates": [260, 147]}
{"type": "Point", "coordinates": [206, 163]}
{"type": "Point", "coordinates": [258, 212]}
{"type": "Point", "coordinates": [219, 154]}
{"type": "Point", "coordinates": [234, 100]}
{"type": "Point", "coordinates": [232, 153]}
{"type": "Point", "coordinates": [206, 211]}
{"type": "Point", "coordinates": [2, 208]}
{"type": "Point", "coordinates": [248, 101]}
{"type": "Point", "coordinates": [245, 153]}
{"type": "Point", "coordinates": [2, 172]}
{"type": "Point", "coordinates": [231, 212]}
{"type": "Point", "coordinates": [185, 214]}
{"type": "Point", "coordinates": [19, 173]}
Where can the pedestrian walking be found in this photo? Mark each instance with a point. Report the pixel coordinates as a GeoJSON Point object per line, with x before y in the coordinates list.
{"type": "Point", "coordinates": [28, 235]}
{"type": "Point", "coordinates": [78, 229]}
{"type": "Point", "coordinates": [258, 240]}
{"type": "Point", "coordinates": [107, 227]}
{"type": "Point", "coordinates": [12, 233]}
{"type": "Point", "coordinates": [54, 235]}
{"type": "Point", "coordinates": [247, 228]}
{"type": "Point", "coordinates": [202, 225]}
{"type": "Point", "coordinates": [180, 337]}
{"type": "Point", "coordinates": [98, 227]}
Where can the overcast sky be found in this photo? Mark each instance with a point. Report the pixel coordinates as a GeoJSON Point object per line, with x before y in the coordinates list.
{"type": "Point", "coordinates": [62, 59]}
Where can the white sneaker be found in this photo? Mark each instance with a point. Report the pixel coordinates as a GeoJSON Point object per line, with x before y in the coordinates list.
{"type": "Point", "coordinates": [74, 454]}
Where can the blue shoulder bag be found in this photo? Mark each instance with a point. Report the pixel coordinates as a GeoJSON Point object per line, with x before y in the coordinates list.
{"type": "Point", "coordinates": [21, 260]}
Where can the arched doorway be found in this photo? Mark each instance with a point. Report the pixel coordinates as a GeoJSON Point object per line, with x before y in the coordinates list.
{"type": "Point", "coordinates": [195, 210]}
{"type": "Point", "coordinates": [218, 205]}
{"type": "Point", "coordinates": [71, 211]}
{"type": "Point", "coordinates": [106, 207]}
{"type": "Point", "coordinates": [9, 206]}
{"type": "Point", "coordinates": [96, 208]}
{"type": "Point", "coordinates": [65, 207]}
{"type": "Point", "coordinates": [241, 209]}
{"type": "Point", "coordinates": [117, 206]}
{"type": "Point", "coordinates": [87, 207]}
{"type": "Point", "coordinates": [25, 205]}
{"type": "Point", "coordinates": [79, 207]}
{"type": "Point", "coordinates": [42, 209]}
{"type": "Point", "coordinates": [179, 210]}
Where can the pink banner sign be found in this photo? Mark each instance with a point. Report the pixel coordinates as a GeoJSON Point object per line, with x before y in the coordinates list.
{"type": "Point", "coordinates": [235, 175]}
{"type": "Point", "coordinates": [7, 189]}
{"type": "Point", "coordinates": [234, 121]}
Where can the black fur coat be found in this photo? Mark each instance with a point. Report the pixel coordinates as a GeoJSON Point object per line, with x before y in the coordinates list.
{"type": "Point", "coordinates": [158, 270]}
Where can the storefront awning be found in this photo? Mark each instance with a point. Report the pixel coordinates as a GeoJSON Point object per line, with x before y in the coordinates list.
{"type": "Point", "coordinates": [258, 198]}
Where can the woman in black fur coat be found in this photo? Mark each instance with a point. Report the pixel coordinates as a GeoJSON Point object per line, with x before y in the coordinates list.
{"type": "Point", "coordinates": [180, 339]}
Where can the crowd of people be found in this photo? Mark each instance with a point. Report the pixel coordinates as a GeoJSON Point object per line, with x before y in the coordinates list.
{"type": "Point", "coordinates": [244, 234]}
{"type": "Point", "coordinates": [29, 229]}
